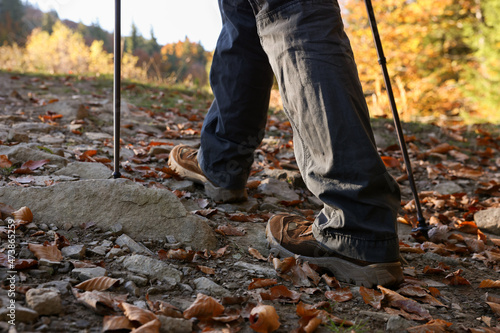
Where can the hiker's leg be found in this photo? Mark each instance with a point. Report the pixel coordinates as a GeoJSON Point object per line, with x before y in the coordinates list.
{"type": "Point", "coordinates": [241, 80]}
{"type": "Point", "coordinates": [334, 146]}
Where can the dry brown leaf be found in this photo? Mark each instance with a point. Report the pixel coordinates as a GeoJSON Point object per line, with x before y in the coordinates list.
{"type": "Point", "coordinates": [256, 254]}
{"type": "Point", "coordinates": [99, 301]}
{"type": "Point", "coordinates": [176, 254]}
{"type": "Point", "coordinates": [17, 263]}
{"type": "Point", "coordinates": [428, 299]}
{"type": "Point", "coordinates": [410, 291]}
{"type": "Point", "coordinates": [489, 284]}
{"type": "Point", "coordinates": [339, 295]}
{"type": "Point", "coordinates": [135, 313]}
{"type": "Point", "coordinates": [494, 256]}
{"type": "Point", "coordinates": [311, 273]}
{"type": "Point", "coordinates": [396, 300]}
{"type": "Point", "coordinates": [48, 252]}
{"type": "Point", "coordinates": [206, 270]}
{"type": "Point", "coordinates": [283, 266]}
{"type": "Point", "coordinates": [495, 307]}
{"type": "Point", "coordinates": [390, 162]}
{"type": "Point", "coordinates": [282, 294]}
{"type": "Point", "coordinates": [23, 214]}
{"type": "Point", "coordinates": [5, 162]}
{"type": "Point", "coordinates": [151, 327]}
{"type": "Point", "coordinates": [404, 314]}
{"type": "Point", "coordinates": [261, 283]}
{"type": "Point", "coordinates": [115, 323]}
{"type": "Point", "coordinates": [264, 319]}
{"type": "Point", "coordinates": [371, 297]}
{"type": "Point", "coordinates": [331, 281]}
{"type": "Point", "coordinates": [98, 283]}
{"type": "Point", "coordinates": [435, 325]}
{"type": "Point", "coordinates": [298, 277]}
{"type": "Point", "coordinates": [229, 230]}
{"type": "Point", "coordinates": [454, 279]}
{"type": "Point", "coordinates": [204, 307]}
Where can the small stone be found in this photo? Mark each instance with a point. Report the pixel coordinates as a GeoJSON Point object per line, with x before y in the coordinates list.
{"type": "Point", "coordinates": [397, 324]}
{"type": "Point", "coordinates": [152, 267]}
{"type": "Point", "coordinates": [117, 229]}
{"type": "Point", "coordinates": [73, 251]}
{"type": "Point", "coordinates": [23, 314]}
{"type": "Point", "coordinates": [132, 245]}
{"type": "Point", "coordinates": [48, 263]}
{"type": "Point", "coordinates": [115, 252]}
{"type": "Point", "coordinates": [43, 227]}
{"type": "Point", "coordinates": [132, 288]}
{"type": "Point", "coordinates": [39, 273]}
{"type": "Point", "coordinates": [171, 239]}
{"type": "Point", "coordinates": [98, 250]}
{"type": "Point", "coordinates": [207, 286]}
{"type": "Point", "coordinates": [15, 136]}
{"type": "Point", "coordinates": [67, 226]}
{"type": "Point", "coordinates": [84, 274]}
{"type": "Point", "coordinates": [269, 272]}
{"type": "Point", "coordinates": [45, 301]}
{"type": "Point", "coordinates": [97, 136]}
{"type": "Point", "coordinates": [279, 189]}
{"type": "Point", "coordinates": [106, 243]}
{"type": "Point", "coordinates": [175, 325]}
{"type": "Point", "coordinates": [64, 287]}
{"type": "Point", "coordinates": [488, 220]}
{"type": "Point", "coordinates": [448, 188]}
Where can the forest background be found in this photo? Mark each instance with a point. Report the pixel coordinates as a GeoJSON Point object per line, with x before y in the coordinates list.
{"type": "Point", "coordinates": [443, 56]}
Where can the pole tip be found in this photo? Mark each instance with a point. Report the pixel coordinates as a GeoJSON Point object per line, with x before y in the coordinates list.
{"type": "Point", "coordinates": [116, 174]}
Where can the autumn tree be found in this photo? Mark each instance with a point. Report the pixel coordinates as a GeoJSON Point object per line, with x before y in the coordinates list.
{"type": "Point", "coordinates": [11, 25]}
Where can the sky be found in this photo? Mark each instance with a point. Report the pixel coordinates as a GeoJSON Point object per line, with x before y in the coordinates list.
{"type": "Point", "coordinates": [171, 20]}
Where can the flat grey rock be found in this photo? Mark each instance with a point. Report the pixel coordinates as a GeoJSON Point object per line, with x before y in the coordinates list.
{"type": "Point", "coordinates": [153, 268]}
{"type": "Point", "coordinates": [144, 213]}
{"type": "Point", "coordinates": [86, 170]}
{"type": "Point", "coordinates": [23, 153]}
{"type": "Point", "coordinates": [448, 188]}
{"type": "Point", "coordinates": [278, 189]}
{"type": "Point", "coordinates": [208, 287]}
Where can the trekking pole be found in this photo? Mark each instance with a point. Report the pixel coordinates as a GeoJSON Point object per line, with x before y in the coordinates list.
{"type": "Point", "coordinates": [423, 227]}
{"type": "Point", "coordinates": [116, 89]}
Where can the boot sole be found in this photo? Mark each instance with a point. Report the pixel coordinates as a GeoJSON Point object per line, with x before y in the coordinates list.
{"type": "Point", "coordinates": [218, 194]}
{"type": "Point", "coordinates": [384, 274]}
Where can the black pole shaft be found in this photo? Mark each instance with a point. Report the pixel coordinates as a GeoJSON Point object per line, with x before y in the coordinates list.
{"type": "Point", "coordinates": [116, 89]}
{"type": "Point", "coordinates": [422, 224]}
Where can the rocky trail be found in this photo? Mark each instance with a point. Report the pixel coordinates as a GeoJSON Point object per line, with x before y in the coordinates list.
{"type": "Point", "coordinates": [81, 252]}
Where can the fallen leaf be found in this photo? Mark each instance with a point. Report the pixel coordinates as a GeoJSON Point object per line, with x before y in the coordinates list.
{"type": "Point", "coordinates": [5, 162]}
{"type": "Point", "coordinates": [115, 323]}
{"type": "Point", "coordinates": [16, 263]}
{"type": "Point", "coordinates": [435, 325]}
{"type": "Point", "coordinates": [176, 254]}
{"type": "Point", "coordinates": [264, 319]}
{"type": "Point", "coordinates": [339, 295]}
{"type": "Point", "coordinates": [206, 270]}
{"type": "Point", "coordinates": [256, 254]}
{"type": "Point", "coordinates": [390, 162]}
{"type": "Point", "coordinates": [150, 327]}
{"type": "Point", "coordinates": [331, 281]}
{"type": "Point", "coordinates": [137, 314]}
{"type": "Point", "coordinates": [33, 165]}
{"type": "Point", "coordinates": [100, 302]}
{"type": "Point", "coordinates": [228, 230]}
{"type": "Point", "coordinates": [282, 294]}
{"type": "Point", "coordinates": [44, 251]}
{"type": "Point", "coordinates": [99, 283]}
{"type": "Point", "coordinates": [261, 283]}
{"type": "Point", "coordinates": [298, 277]}
{"type": "Point", "coordinates": [469, 227]}
{"type": "Point", "coordinates": [489, 284]}
{"type": "Point", "coordinates": [283, 266]}
{"type": "Point", "coordinates": [394, 299]}
{"type": "Point", "coordinates": [410, 291]}
{"type": "Point", "coordinates": [24, 214]}
{"type": "Point", "coordinates": [204, 307]}
{"type": "Point", "coordinates": [311, 273]}
{"type": "Point", "coordinates": [454, 279]}
{"type": "Point", "coordinates": [371, 297]}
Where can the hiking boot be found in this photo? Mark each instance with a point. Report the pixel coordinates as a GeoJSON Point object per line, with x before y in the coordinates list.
{"type": "Point", "coordinates": [184, 160]}
{"type": "Point", "coordinates": [291, 235]}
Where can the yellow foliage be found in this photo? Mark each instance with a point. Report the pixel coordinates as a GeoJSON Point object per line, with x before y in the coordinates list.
{"type": "Point", "coordinates": [64, 51]}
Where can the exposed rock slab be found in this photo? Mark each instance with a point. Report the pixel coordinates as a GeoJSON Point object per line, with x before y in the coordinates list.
{"type": "Point", "coordinates": [145, 213]}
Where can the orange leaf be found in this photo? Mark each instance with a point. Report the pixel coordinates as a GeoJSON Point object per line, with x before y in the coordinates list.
{"type": "Point", "coordinates": [435, 325]}
{"type": "Point", "coordinates": [24, 214]}
{"type": "Point", "coordinates": [283, 266]}
{"type": "Point", "coordinates": [261, 283]}
{"type": "Point", "coordinates": [256, 254]}
{"type": "Point", "coordinates": [434, 291]}
{"type": "Point", "coordinates": [339, 295]}
{"type": "Point", "coordinates": [177, 254]}
{"type": "Point", "coordinates": [135, 313]}
{"type": "Point", "coordinates": [100, 302]}
{"type": "Point", "coordinates": [468, 227]}
{"type": "Point", "coordinates": [206, 270]}
{"type": "Point", "coordinates": [489, 284]}
{"type": "Point", "coordinates": [204, 307]}
{"type": "Point", "coordinates": [454, 279]}
{"type": "Point", "coordinates": [33, 165]}
{"type": "Point", "coordinates": [495, 307]}
{"type": "Point", "coordinates": [390, 162]}
{"type": "Point", "coordinates": [264, 319]}
{"type": "Point", "coordinates": [48, 252]}
{"type": "Point", "coordinates": [331, 281]}
{"type": "Point", "coordinates": [371, 297]}
{"type": "Point", "coordinates": [99, 283]}
{"type": "Point", "coordinates": [5, 162]}
{"type": "Point", "coordinates": [281, 293]}
{"type": "Point", "coordinates": [114, 323]}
